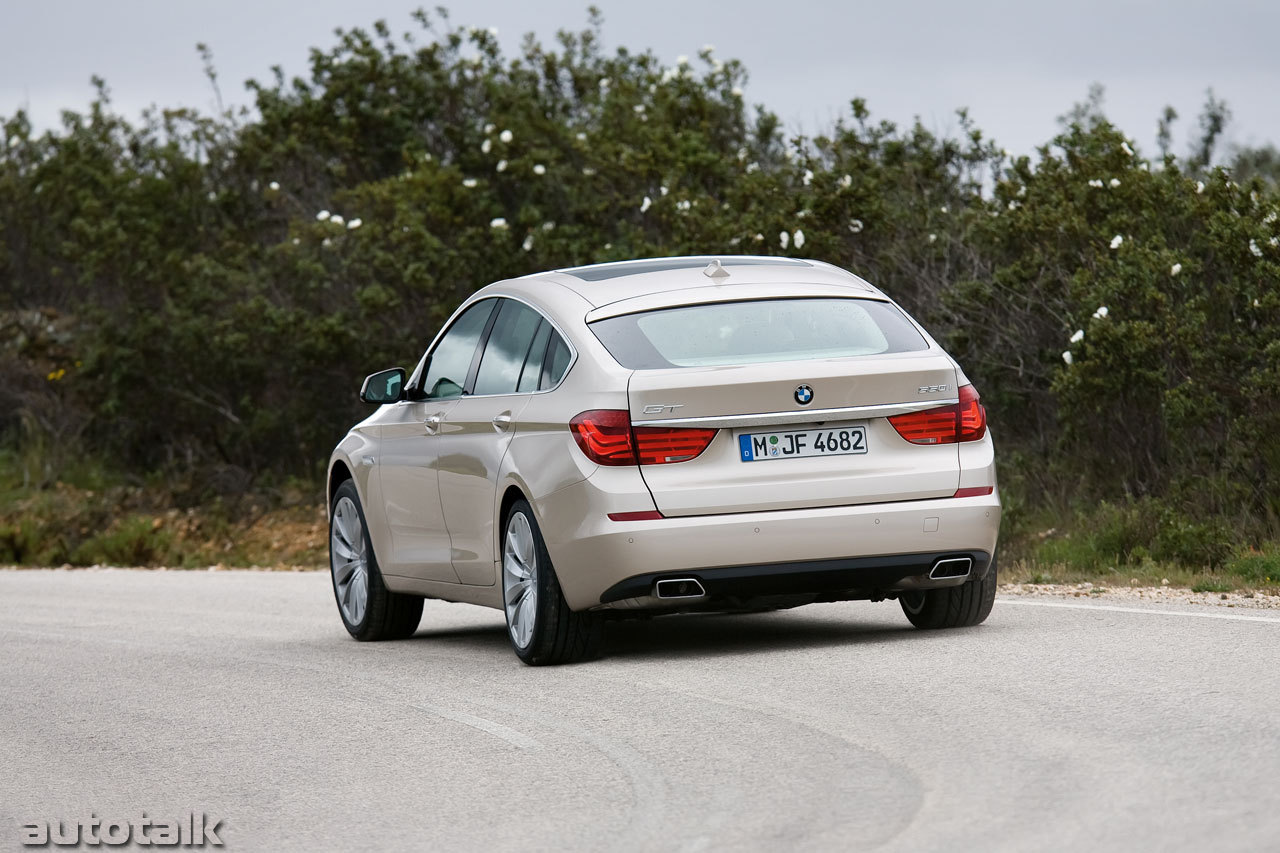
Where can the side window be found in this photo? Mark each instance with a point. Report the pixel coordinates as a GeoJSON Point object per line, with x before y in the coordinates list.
{"type": "Point", "coordinates": [557, 362]}
{"type": "Point", "coordinates": [532, 373]}
{"type": "Point", "coordinates": [451, 359]}
{"type": "Point", "coordinates": [507, 348]}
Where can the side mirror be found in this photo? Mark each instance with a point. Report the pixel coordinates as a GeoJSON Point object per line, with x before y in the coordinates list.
{"type": "Point", "coordinates": [385, 386]}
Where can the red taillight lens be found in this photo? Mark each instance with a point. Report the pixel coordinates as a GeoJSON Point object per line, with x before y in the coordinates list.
{"type": "Point", "coordinates": [965, 421]}
{"type": "Point", "coordinates": [659, 445]}
{"type": "Point", "coordinates": [605, 436]}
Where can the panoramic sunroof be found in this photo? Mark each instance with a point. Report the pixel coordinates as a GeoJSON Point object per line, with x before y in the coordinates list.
{"type": "Point", "coordinates": [604, 272]}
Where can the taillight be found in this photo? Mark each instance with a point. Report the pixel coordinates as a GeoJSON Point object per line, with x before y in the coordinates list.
{"type": "Point", "coordinates": [963, 421]}
{"type": "Point", "coordinates": [606, 437]}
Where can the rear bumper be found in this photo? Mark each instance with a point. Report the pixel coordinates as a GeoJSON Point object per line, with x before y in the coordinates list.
{"type": "Point", "coordinates": [872, 547]}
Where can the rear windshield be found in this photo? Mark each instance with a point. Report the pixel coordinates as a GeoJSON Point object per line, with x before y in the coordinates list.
{"type": "Point", "coordinates": [757, 331]}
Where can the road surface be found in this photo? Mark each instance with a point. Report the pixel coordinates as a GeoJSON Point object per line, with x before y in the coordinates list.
{"type": "Point", "coordinates": [830, 727]}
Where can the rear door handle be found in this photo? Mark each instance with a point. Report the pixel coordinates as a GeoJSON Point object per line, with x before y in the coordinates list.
{"type": "Point", "coordinates": [502, 422]}
{"type": "Point", "coordinates": [431, 424]}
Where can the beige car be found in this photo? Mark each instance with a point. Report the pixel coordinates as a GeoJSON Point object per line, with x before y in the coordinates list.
{"type": "Point", "coordinates": [666, 435]}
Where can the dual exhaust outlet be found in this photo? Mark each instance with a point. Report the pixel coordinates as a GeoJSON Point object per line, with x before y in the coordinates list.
{"type": "Point", "coordinates": [669, 588]}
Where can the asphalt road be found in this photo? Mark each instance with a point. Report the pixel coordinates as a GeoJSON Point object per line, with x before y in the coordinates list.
{"type": "Point", "coordinates": [831, 727]}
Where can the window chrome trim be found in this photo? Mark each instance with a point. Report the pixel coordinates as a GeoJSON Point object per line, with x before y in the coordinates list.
{"type": "Point", "coordinates": [555, 327]}
{"type": "Point", "coordinates": [882, 410]}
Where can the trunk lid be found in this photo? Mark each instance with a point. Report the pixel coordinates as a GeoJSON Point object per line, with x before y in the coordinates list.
{"type": "Point", "coordinates": [756, 399]}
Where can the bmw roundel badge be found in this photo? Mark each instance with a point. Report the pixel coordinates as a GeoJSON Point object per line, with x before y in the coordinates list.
{"type": "Point", "coordinates": [804, 395]}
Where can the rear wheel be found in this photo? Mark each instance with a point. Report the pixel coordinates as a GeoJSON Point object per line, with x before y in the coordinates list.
{"type": "Point", "coordinates": [368, 609]}
{"type": "Point", "coordinates": [952, 607]}
{"type": "Point", "coordinates": [542, 628]}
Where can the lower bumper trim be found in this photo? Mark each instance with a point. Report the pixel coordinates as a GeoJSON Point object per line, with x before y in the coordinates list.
{"type": "Point", "coordinates": [812, 576]}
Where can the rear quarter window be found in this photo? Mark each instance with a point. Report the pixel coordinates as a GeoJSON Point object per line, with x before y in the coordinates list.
{"type": "Point", "coordinates": [757, 331]}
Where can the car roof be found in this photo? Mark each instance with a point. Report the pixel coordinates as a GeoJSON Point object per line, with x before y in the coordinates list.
{"type": "Point", "coordinates": [609, 283]}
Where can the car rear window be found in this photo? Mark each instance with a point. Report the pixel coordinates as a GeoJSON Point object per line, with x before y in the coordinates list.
{"type": "Point", "coordinates": [757, 331]}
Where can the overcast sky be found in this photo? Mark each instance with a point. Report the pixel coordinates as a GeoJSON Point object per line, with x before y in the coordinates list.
{"type": "Point", "coordinates": [1016, 64]}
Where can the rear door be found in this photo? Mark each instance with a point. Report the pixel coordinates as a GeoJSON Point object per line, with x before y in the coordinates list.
{"type": "Point", "coordinates": [800, 391]}
{"type": "Point", "coordinates": [476, 432]}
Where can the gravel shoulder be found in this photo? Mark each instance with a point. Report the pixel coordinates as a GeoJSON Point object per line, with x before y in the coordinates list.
{"type": "Point", "coordinates": [1129, 595]}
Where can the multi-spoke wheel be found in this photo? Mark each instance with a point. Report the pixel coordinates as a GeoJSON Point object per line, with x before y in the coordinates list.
{"type": "Point", "coordinates": [368, 609]}
{"type": "Point", "coordinates": [542, 627]}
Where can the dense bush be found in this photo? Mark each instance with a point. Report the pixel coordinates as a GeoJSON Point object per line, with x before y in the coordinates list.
{"type": "Point", "coordinates": [200, 295]}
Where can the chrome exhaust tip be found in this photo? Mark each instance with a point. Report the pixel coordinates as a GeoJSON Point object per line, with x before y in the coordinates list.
{"type": "Point", "coordinates": [679, 588]}
{"type": "Point", "coordinates": [952, 567]}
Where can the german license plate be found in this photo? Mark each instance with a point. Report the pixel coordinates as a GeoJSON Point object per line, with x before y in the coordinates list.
{"type": "Point", "coordinates": [795, 444]}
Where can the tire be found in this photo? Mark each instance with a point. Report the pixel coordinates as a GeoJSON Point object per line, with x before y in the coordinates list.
{"type": "Point", "coordinates": [367, 608]}
{"type": "Point", "coordinates": [952, 607]}
{"type": "Point", "coordinates": [541, 627]}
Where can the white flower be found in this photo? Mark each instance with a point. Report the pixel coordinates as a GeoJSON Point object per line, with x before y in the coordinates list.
{"type": "Point", "coordinates": [527, 245]}
{"type": "Point", "coordinates": [808, 177]}
{"type": "Point", "coordinates": [1013, 204]}
{"type": "Point", "coordinates": [1175, 269]}
{"type": "Point", "coordinates": [1078, 336]}
{"type": "Point", "coordinates": [645, 204]}
{"type": "Point", "coordinates": [1269, 218]}
{"type": "Point", "coordinates": [1022, 191]}
{"type": "Point", "coordinates": [855, 225]}
{"type": "Point", "coordinates": [1253, 247]}
{"type": "Point", "coordinates": [322, 215]}
{"type": "Point", "coordinates": [582, 137]}
{"type": "Point", "coordinates": [506, 136]}
{"type": "Point", "coordinates": [759, 238]}
{"type": "Point", "coordinates": [682, 60]}
{"type": "Point", "coordinates": [326, 242]}
{"type": "Point", "coordinates": [605, 82]}
{"type": "Point", "coordinates": [588, 171]}
{"type": "Point", "coordinates": [638, 108]}
{"type": "Point", "coordinates": [539, 169]}
{"type": "Point", "coordinates": [501, 166]}
{"type": "Point", "coordinates": [1113, 183]}
{"type": "Point", "coordinates": [274, 185]}
{"type": "Point", "coordinates": [296, 241]}
{"type": "Point", "coordinates": [498, 222]}
{"type": "Point", "coordinates": [354, 224]}
{"type": "Point", "coordinates": [1096, 182]}
{"type": "Point", "coordinates": [708, 48]}
{"type": "Point", "coordinates": [933, 238]}
{"type": "Point", "coordinates": [336, 219]}
{"type": "Point", "coordinates": [1146, 167]}
{"type": "Point", "coordinates": [801, 214]}
{"type": "Point", "coordinates": [490, 128]}
{"type": "Point", "coordinates": [1274, 241]}
{"type": "Point", "coordinates": [742, 155]}
{"type": "Point", "coordinates": [548, 226]}
{"type": "Point", "coordinates": [1116, 241]}
{"type": "Point", "coordinates": [1199, 187]}
{"type": "Point", "coordinates": [718, 66]}
{"type": "Point", "coordinates": [653, 89]}
{"type": "Point", "coordinates": [736, 91]}
{"type": "Point", "coordinates": [1066, 356]}
{"type": "Point", "coordinates": [469, 182]}
{"type": "Point", "coordinates": [683, 204]}
{"type": "Point", "coordinates": [485, 146]}
{"type": "Point", "coordinates": [663, 190]}
{"type": "Point", "coordinates": [846, 181]}
{"type": "Point", "coordinates": [943, 209]}
{"type": "Point", "coordinates": [1124, 146]}
{"type": "Point", "coordinates": [784, 239]}
{"type": "Point", "coordinates": [1100, 313]}
{"type": "Point", "coordinates": [798, 239]}
{"type": "Point", "coordinates": [493, 31]}
{"type": "Point", "coordinates": [753, 167]}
